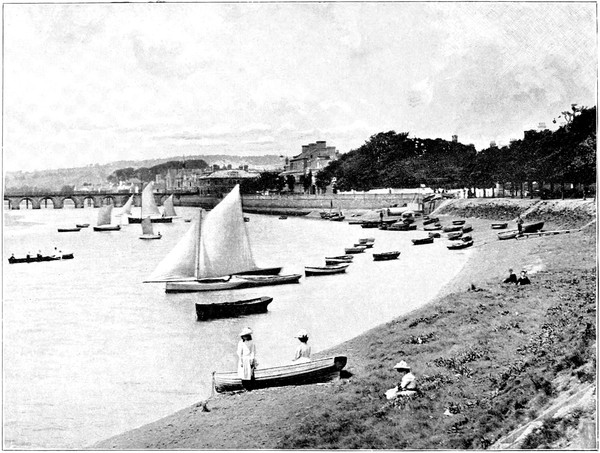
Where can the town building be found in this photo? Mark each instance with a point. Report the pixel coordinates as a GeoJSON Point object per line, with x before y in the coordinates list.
{"type": "Point", "coordinates": [313, 158]}
{"type": "Point", "coordinates": [220, 183]}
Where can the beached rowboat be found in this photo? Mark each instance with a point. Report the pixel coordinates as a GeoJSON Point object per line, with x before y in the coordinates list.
{"type": "Point", "coordinates": [326, 270]}
{"type": "Point", "coordinates": [434, 234]}
{"type": "Point", "coordinates": [460, 245]}
{"type": "Point", "coordinates": [430, 220]}
{"type": "Point", "coordinates": [454, 235]}
{"type": "Point", "coordinates": [512, 234]}
{"type": "Point", "coordinates": [450, 229]}
{"type": "Point", "coordinates": [385, 256]}
{"type": "Point", "coordinates": [68, 229]}
{"type": "Point", "coordinates": [295, 374]}
{"type": "Point", "coordinates": [231, 309]}
{"type": "Point", "coordinates": [366, 240]}
{"type": "Point", "coordinates": [434, 227]}
{"type": "Point", "coordinates": [499, 226]}
{"type": "Point", "coordinates": [368, 245]}
{"type": "Point", "coordinates": [458, 222]}
{"type": "Point", "coordinates": [467, 228]}
{"type": "Point", "coordinates": [532, 227]}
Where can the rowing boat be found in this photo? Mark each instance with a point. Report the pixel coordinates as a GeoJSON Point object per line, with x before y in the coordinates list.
{"type": "Point", "coordinates": [532, 227]}
{"type": "Point", "coordinates": [353, 250]}
{"type": "Point", "coordinates": [454, 235]}
{"type": "Point", "coordinates": [68, 229]}
{"type": "Point", "coordinates": [451, 229]}
{"type": "Point", "coordinates": [499, 226]}
{"type": "Point", "coordinates": [231, 309]}
{"type": "Point", "coordinates": [368, 245]}
{"type": "Point", "coordinates": [434, 234]}
{"type": "Point", "coordinates": [467, 228]}
{"type": "Point", "coordinates": [326, 270]}
{"type": "Point", "coordinates": [385, 256]}
{"type": "Point", "coordinates": [512, 234]}
{"type": "Point", "coordinates": [420, 241]}
{"type": "Point", "coordinates": [460, 245]}
{"type": "Point", "coordinates": [295, 374]}
{"type": "Point", "coordinates": [458, 222]}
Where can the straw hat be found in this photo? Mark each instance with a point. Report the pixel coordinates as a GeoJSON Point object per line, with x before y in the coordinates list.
{"type": "Point", "coordinates": [246, 331]}
{"type": "Point", "coordinates": [302, 333]}
{"type": "Point", "coordinates": [402, 365]}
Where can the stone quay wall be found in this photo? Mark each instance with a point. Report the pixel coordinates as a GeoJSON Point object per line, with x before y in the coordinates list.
{"type": "Point", "coordinates": [303, 204]}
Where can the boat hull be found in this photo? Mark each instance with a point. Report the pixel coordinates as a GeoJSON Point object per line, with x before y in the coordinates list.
{"type": "Point", "coordinates": [327, 270]}
{"type": "Point", "coordinates": [232, 309]}
{"type": "Point", "coordinates": [269, 280]}
{"type": "Point", "coordinates": [355, 250]}
{"type": "Point", "coordinates": [204, 285]}
{"type": "Point", "coordinates": [107, 228]}
{"type": "Point", "coordinates": [385, 256]}
{"type": "Point", "coordinates": [68, 230]}
{"type": "Point", "coordinates": [36, 259]}
{"type": "Point", "coordinates": [499, 226]}
{"type": "Point", "coordinates": [262, 271]}
{"type": "Point", "coordinates": [460, 245]}
{"type": "Point", "coordinates": [451, 229]}
{"type": "Point", "coordinates": [82, 225]}
{"type": "Point", "coordinates": [295, 374]}
{"type": "Point", "coordinates": [152, 219]}
{"type": "Point", "coordinates": [150, 236]}
{"type": "Point", "coordinates": [422, 241]}
{"type": "Point", "coordinates": [532, 227]}
{"type": "Point", "coordinates": [508, 235]}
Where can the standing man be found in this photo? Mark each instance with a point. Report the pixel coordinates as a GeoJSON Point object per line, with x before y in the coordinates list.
{"type": "Point", "coordinates": [520, 224]}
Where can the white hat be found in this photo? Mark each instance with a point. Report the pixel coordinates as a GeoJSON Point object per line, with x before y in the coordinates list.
{"type": "Point", "coordinates": [302, 333]}
{"type": "Point", "coordinates": [402, 365]}
{"type": "Point", "coordinates": [246, 331]}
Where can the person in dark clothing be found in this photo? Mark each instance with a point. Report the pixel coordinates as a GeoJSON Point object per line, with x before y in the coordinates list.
{"type": "Point", "coordinates": [520, 225]}
{"type": "Point", "coordinates": [523, 279]}
{"type": "Point", "coordinates": [512, 277]}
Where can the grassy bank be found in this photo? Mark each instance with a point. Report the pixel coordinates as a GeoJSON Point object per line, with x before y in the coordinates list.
{"type": "Point", "coordinates": [493, 357]}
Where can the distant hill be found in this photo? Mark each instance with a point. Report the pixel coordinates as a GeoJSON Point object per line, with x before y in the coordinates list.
{"type": "Point", "coordinates": [97, 174]}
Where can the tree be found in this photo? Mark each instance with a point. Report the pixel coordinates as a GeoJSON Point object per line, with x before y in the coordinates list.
{"type": "Point", "coordinates": [290, 182]}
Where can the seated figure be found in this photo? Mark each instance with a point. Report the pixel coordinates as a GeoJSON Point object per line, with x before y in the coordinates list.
{"type": "Point", "coordinates": [407, 385]}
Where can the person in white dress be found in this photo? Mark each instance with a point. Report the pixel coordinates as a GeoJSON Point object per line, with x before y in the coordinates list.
{"type": "Point", "coordinates": [303, 349]}
{"type": "Point", "coordinates": [246, 352]}
{"type": "Point", "coordinates": [408, 384]}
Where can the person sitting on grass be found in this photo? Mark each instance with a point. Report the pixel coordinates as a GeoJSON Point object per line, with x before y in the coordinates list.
{"type": "Point", "coordinates": [512, 278]}
{"type": "Point", "coordinates": [407, 385]}
{"type": "Point", "coordinates": [523, 279]}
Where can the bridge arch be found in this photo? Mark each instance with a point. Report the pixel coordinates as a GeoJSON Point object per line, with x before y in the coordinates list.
{"type": "Point", "coordinates": [27, 203]}
{"type": "Point", "coordinates": [47, 203]}
{"type": "Point", "coordinates": [108, 200]}
{"type": "Point", "coordinates": [88, 202]}
{"type": "Point", "coordinates": [69, 203]}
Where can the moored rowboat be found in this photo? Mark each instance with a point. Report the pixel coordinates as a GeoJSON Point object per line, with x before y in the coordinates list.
{"type": "Point", "coordinates": [384, 256]}
{"type": "Point", "coordinates": [467, 228]}
{"type": "Point", "coordinates": [353, 250]}
{"type": "Point", "coordinates": [458, 222]}
{"type": "Point", "coordinates": [326, 270]}
{"type": "Point", "coordinates": [450, 229]}
{"type": "Point", "coordinates": [82, 225]}
{"type": "Point", "coordinates": [499, 226]}
{"type": "Point", "coordinates": [253, 281]}
{"type": "Point", "coordinates": [365, 244]}
{"type": "Point", "coordinates": [295, 374]}
{"type": "Point", "coordinates": [460, 245]}
{"type": "Point", "coordinates": [68, 230]}
{"type": "Point", "coordinates": [420, 241]}
{"type": "Point", "coordinates": [237, 308]}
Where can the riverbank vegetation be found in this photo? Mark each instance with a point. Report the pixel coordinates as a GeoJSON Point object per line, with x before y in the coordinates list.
{"type": "Point", "coordinates": [550, 158]}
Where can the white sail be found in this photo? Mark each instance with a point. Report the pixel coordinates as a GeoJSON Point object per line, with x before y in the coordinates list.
{"type": "Point", "coordinates": [169, 208]}
{"type": "Point", "coordinates": [127, 206]}
{"type": "Point", "coordinates": [149, 208]}
{"type": "Point", "coordinates": [216, 247]}
{"type": "Point", "coordinates": [104, 215]}
{"type": "Point", "coordinates": [147, 226]}
{"type": "Point", "coordinates": [224, 242]}
{"type": "Point", "coordinates": [180, 263]}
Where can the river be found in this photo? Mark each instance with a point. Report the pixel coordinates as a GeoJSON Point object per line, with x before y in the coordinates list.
{"type": "Point", "coordinates": [89, 351]}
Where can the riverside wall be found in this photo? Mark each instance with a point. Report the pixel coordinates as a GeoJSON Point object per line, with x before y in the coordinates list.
{"type": "Point", "coordinates": [303, 204]}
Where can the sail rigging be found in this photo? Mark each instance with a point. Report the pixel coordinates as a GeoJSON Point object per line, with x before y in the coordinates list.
{"type": "Point", "coordinates": [217, 246]}
{"type": "Point", "coordinates": [169, 208]}
{"type": "Point", "coordinates": [127, 206]}
{"type": "Point", "coordinates": [104, 215]}
{"type": "Point", "coordinates": [149, 207]}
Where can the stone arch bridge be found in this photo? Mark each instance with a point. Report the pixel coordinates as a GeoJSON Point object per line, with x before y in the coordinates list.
{"type": "Point", "coordinates": [81, 199]}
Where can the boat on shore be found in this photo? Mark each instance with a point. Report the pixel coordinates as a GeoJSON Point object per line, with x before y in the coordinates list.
{"type": "Point", "coordinates": [458, 222]}
{"type": "Point", "coordinates": [400, 226]}
{"type": "Point", "coordinates": [326, 270]}
{"type": "Point", "coordinates": [339, 259]}
{"type": "Point", "coordinates": [499, 226]}
{"type": "Point", "coordinates": [434, 234]}
{"type": "Point", "coordinates": [421, 241]}
{"type": "Point", "coordinates": [434, 227]}
{"type": "Point", "coordinates": [385, 256]}
{"type": "Point", "coordinates": [532, 227]}
{"type": "Point", "coordinates": [430, 220]}
{"type": "Point", "coordinates": [366, 240]}
{"type": "Point", "coordinates": [82, 225]}
{"type": "Point", "coordinates": [512, 234]}
{"type": "Point", "coordinates": [452, 229]}
{"type": "Point", "coordinates": [206, 311]}
{"type": "Point", "coordinates": [318, 370]}
{"type": "Point", "coordinates": [370, 224]}
{"type": "Point", "coordinates": [368, 245]}
{"type": "Point", "coordinates": [455, 235]}
{"type": "Point", "coordinates": [40, 258]}
{"type": "Point", "coordinates": [460, 245]}
{"type": "Point", "coordinates": [105, 219]}
{"type": "Point", "coordinates": [467, 228]}
{"type": "Point", "coordinates": [215, 254]}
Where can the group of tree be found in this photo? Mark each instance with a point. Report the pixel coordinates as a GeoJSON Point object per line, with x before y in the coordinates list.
{"type": "Point", "coordinates": [147, 174]}
{"type": "Point", "coordinates": [390, 159]}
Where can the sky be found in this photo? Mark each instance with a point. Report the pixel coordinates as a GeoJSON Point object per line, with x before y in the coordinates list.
{"type": "Point", "coordinates": [96, 83]}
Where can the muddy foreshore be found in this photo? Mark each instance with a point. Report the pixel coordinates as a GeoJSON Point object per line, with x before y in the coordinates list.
{"type": "Point", "coordinates": [485, 354]}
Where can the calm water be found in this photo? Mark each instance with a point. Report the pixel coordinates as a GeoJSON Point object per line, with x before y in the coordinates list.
{"type": "Point", "coordinates": [89, 351]}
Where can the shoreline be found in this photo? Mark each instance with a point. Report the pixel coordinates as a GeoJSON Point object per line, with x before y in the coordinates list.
{"type": "Point", "coordinates": [193, 428]}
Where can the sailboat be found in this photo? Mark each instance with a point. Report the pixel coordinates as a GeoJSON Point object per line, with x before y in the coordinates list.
{"type": "Point", "coordinates": [127, 207]}
{"type": "Point", "coordinates": [169, 207]}
{"type": "Point", "coordinates": [104, 220]}
{"type": "Point", "coordinates": [148, 231]}
{"type": "Point", "coordinates": [149, 208]}
{"type": "Point", "coordinates": [215, 254]}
